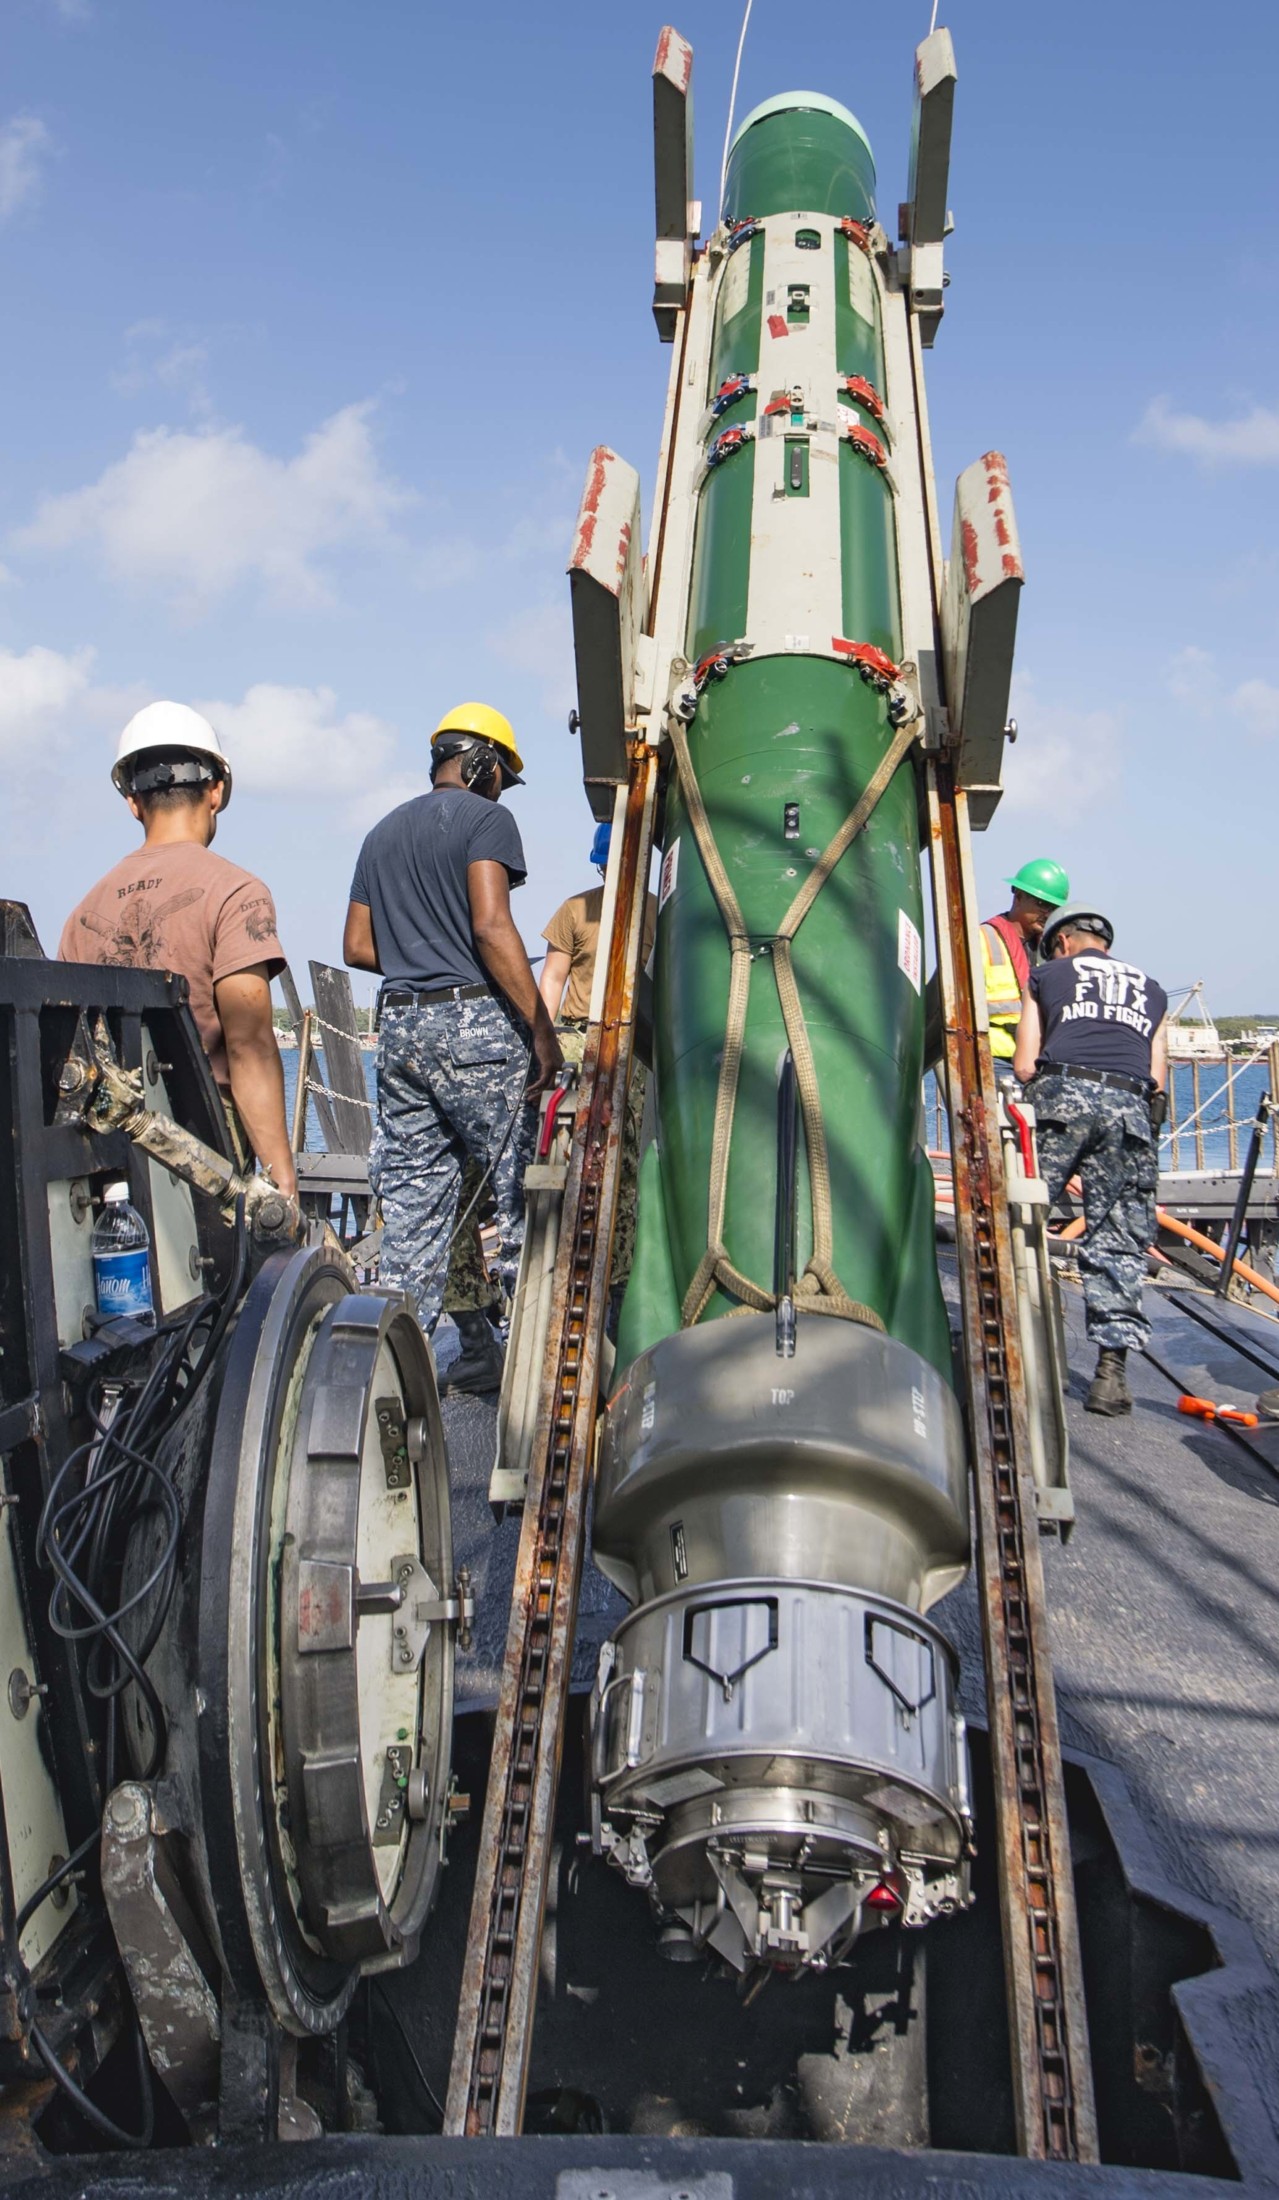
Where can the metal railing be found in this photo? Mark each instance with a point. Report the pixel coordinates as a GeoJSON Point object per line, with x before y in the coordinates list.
{"type": "Point", "coordinates": [1197, 1118]}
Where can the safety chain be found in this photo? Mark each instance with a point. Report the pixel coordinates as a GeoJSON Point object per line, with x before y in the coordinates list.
{"type": "Point", "coordinates": [326, 1092]}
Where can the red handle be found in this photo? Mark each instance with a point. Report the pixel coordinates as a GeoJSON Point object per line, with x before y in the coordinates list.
{"type": "Point", "coordinates": [1023, 1138]}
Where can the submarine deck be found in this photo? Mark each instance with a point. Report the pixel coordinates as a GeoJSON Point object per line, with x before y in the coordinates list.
{"type": "Point", "coordinates": [1163, 1605]}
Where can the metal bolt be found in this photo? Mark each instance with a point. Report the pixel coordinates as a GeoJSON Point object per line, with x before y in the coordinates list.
{"type": "Point", "coordinates": [21, 1691]}
{"type": "Point", "coordinates": [406, 1573]}
{"type": "Point", "coordinates": [406, 1655]}
{"type": "Point", "coordinates": [127, 1809]}
{"type": "Point", "coordinates": [61, 1894]}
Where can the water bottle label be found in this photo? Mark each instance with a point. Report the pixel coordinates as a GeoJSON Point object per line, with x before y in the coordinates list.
{"type": "Point", "coordinates": [123, 1282]}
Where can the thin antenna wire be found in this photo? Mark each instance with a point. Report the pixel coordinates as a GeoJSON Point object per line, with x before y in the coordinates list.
{"type": "Point", "coordinates": [732, 103]}
{"type": "Point", "coordinates": [933, 25]}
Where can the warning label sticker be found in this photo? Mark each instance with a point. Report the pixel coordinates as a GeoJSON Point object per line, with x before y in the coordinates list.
{"type": "Point", "coordinates": [670, 872]}
{"type": "Point", "coordinates": [910, 951]}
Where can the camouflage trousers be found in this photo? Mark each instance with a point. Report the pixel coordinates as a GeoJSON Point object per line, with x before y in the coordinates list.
{"type": "Point", "coordinates": [1103, 1134]}
{"type": "Point", "coordinates": [470, 1289]}
{"type": "Point", "coordinates": [573, 1043]}
{"type": "Point", "coordinates": [450, 1079]}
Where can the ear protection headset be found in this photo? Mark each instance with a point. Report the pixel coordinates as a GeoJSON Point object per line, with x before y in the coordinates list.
{"type": "Point", "coordinates": [480, 761]}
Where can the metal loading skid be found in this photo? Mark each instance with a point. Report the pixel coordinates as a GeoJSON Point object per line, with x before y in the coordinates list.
{"type": "Point", "coordinates": [782, 1486]}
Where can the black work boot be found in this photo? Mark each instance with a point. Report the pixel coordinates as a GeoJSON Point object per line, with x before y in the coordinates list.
{"type": "Point", "coordinates": [478, 1366]}
{"type": "Point", "coordinates": [1109, 1393]}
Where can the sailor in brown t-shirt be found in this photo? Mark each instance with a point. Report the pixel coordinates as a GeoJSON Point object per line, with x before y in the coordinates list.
{"type": "Point", "coordinates": [568, 972]}
{"type": "Point", "coordinates": [174, 905]}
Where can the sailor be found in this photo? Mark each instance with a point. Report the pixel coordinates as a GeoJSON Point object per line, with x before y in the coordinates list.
{"type": "Point", "coordinates": [466, 1047]}
{"type": "Point", "coordinates": [572, 945]}
{"type": "Point", "coordinates": [1009, 946]}
{"type": "Point", "coordinates": [176, 906]}
{"type": "Point", "coordinates": [1092, 1053]}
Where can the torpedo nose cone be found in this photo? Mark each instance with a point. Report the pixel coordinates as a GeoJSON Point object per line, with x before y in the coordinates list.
{"type": "Point", "coordinates": [800, 151]}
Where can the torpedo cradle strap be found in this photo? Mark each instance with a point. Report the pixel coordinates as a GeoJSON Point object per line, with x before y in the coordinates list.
{"type": "Point", "coordinates": [819, 1290]}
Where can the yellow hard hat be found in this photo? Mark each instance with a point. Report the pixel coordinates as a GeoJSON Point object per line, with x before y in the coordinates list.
{"type": "Point", "coordinates": [483, 723]}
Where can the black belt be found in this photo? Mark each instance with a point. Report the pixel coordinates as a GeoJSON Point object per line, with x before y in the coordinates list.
{"type": "Point", "coordinates": [416, 996]}
{"type": "Point", "coordinates": [1143, 1086]}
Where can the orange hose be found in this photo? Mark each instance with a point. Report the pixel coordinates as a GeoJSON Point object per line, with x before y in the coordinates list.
{"type": "Point", "coordinates": [1210, 1245]}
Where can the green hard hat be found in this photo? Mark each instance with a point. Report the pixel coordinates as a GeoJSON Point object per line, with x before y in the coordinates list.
{"type": "Point", "coordinates": [1043, 880]}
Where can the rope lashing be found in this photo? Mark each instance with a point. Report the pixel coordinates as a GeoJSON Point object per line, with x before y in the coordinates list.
{"type": "Point", "coordinates": [819, 1290]}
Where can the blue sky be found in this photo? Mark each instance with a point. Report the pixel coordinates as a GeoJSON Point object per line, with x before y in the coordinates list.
{"type": "Point", "coordinates": [315, 309]}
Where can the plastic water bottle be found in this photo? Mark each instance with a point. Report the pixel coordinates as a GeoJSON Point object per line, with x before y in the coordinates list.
{"type": "Point", "coordinates": [121, 1258]}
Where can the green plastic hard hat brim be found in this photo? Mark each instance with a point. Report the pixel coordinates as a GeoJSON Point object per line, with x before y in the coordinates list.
{"type": "Point", "coordinates": [1043, 880]}
{"type": "Point", "coordinates": [789, 103]}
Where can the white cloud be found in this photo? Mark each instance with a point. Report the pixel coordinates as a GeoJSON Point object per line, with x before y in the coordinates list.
{"type": "Point", "coordinates": [37, 690]}
{"type": "Point", "coordinates": [1251, 440]}
{"type": "Point", "coordinates": [1192, 676]}
{"type": "Point", "coordinates": [25, 143]}
{"type": "Point", "coordinates": [1064, 760]}
{"type": "Point", "coordinates": [294, 740]}
{"type": "Point", "coordinates": [446, 561]}
{"type": "Point", "coordinates": [198, 512]}
{"type": "Point", "coordinates": [1257, 703]}
{"type": "Point", "coordinates": [1193, 679]}
{"type": "Point", "coordinates": [539, 641]}
{"type": "Point", "coordinates": [156, 355]}
{"type": "Point", "coordinates": [48, 698]}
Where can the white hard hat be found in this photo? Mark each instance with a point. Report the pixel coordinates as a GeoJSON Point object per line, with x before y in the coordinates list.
{"type": "Point", "coordinates": [169, 726]}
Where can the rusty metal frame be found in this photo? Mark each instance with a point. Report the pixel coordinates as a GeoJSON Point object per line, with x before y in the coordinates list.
{"type": "Point", "coordinates": [1047, 2021]}
{"type": "Point", "coordinates": [499, 1982]}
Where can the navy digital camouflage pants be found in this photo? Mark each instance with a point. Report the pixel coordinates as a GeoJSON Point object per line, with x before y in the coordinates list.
{"type": "Point", "coordinates": [450, 1079]}
{"type": "Point", "coordinates": [1102, 1134]}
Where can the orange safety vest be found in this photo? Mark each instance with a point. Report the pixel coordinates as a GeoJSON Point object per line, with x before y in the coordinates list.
{"type": "Point", "coordinates": [1003, 990]}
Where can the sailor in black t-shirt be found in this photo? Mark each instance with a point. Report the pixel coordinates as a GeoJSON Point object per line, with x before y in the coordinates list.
{"type": "Point", "coordinates": [466, 1047]}
{"type": "Point", "coordinates": [1092, 1054]}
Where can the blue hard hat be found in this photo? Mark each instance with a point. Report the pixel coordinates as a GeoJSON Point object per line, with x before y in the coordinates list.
{"type": "Point", "coordinates": [599, 846]}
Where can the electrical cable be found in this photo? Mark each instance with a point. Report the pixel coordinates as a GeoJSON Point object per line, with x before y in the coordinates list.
{"type": "Point", "coordinates": [375, 1985]}
{"type": "Point", "coordinates": [84, 1535]}
{"type": "Point", "coordinates": [137, 2141]}
{"type": "Point", "coordinates": [732, 105]}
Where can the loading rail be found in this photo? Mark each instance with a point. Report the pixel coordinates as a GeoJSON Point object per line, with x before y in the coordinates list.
{"type": "Point", "coordinates": [489, 2073]}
